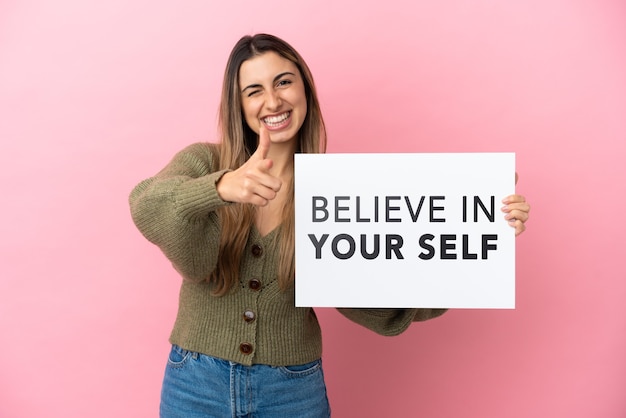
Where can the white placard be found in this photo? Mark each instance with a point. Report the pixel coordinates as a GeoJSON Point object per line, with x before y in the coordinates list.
{"type": "Point", "coordinates": [404, 230]}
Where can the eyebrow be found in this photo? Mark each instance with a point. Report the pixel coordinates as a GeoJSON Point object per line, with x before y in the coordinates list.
{"type": "Point", "coordinates": [278, 77]}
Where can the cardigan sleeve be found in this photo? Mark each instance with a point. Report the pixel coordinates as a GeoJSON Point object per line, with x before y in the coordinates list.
{"type": "Point", "coordinates": [389, 322]}
{"type": "Point", "coordinates": [175, 210]}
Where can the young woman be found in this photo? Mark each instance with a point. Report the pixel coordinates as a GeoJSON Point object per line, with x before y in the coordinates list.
{"type": "Point", "coordinates": [223, 214]}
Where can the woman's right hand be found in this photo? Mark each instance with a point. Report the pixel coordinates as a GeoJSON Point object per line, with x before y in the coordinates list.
{"type": "Point", "coordinates": [252, 182]}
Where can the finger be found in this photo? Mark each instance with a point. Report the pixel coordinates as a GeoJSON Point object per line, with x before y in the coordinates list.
{"type": "Point", "coordinates": [514, 198]}
{"type": "Point", "coordinates": [255, 200]}
{"type": "Point", "coordinates": [256, 192]}
{"type": "Point", "coordinates": [517, 208]}
{"type": "Point", "coordinates": [263, 148]}
{"type": "Point", "coordinates": [516, 177]}
{"type": "Point", "coordinates": [262, 197]}
{"type": "Point", "coordinates": [258, 175]}
{"type": "Point", "coordinates": [522, 206]}
{"type": "Point", "coordinates": [517, 214]}
{"type": "Point", "coordinates": [518, 225]}
{"type": "Point", "coordinates": [265, 186]}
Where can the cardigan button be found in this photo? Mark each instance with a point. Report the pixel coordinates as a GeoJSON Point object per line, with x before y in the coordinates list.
{"type": "Point", "coordinates": [249, 316]}
{"type": "Point", "coordinates": [245, 348]}
{"type": "Point", "coordinates": [257, 251]}
{"type": "Point", "coordinates": [254, 284]}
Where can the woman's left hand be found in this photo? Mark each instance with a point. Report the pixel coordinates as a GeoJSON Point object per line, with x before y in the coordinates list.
{"type": "Point", "coordinates": [516, 209]}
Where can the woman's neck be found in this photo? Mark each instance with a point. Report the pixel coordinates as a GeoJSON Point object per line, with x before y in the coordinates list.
{"type": "Point", "coordinates": [282, 160]}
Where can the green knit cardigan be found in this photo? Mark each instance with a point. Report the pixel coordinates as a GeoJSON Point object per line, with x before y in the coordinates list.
{"type": "Point", "coordinates": [255, 322]}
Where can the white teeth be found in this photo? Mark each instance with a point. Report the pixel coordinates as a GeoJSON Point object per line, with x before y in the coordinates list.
{"type": "Point", "coordinates": [275, 120]}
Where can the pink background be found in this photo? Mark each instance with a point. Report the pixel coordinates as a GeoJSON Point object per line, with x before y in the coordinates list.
{"type": "Point", "coordinates": [95, 96]}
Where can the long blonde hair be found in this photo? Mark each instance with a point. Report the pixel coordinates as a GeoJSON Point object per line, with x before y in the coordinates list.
{"type": "Point", "coordinates": [239, 142]}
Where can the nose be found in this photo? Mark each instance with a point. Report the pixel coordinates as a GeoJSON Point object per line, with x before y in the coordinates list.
{"type": "Point", "coordinates": [273, 101]}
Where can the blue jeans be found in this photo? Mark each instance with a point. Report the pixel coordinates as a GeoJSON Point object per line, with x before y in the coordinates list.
{"type": "Point", "coordinates": [197, 385]}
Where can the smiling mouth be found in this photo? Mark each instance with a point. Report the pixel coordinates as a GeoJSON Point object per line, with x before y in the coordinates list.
{"type": "Point", "coordinates": [276, 121]}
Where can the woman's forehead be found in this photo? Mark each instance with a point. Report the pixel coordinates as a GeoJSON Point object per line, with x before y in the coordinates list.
{"type": "Point", "coordinates": [265, 67]}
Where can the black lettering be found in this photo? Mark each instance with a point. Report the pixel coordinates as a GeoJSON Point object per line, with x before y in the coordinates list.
{"type": "Point", "coordinates": [389, 208]}
{"type": "Point", "coordinates": [487, 246]}
{"type": "Point", "coordinates": [433, 208]}
{"type": "Point", "coordinates": [416, 214]}
{"type": "Point", "coordinates": [394, 243]}
{"type": "Point", "coordinates": [375, 208]}
{"type": "Point", "coordinates": [464, 208]}
{"type": "Point", "coordinates": [375, 252]}
{"type": "Point", "coordinates": [358, 211]}
{"type": "Point", "coordinates": [318, 244]}
{"type": "Point", "coordinates": [321, 208]}
{"type": "Point", "coordinates": [490, 215]}
{"type": "Point", "coordinates": [466, 254]}
{"type": "Point", "coordinates": [338, 208]}
{"type": "Point", "coordinates": [426, 246]}
{"type": "Point", "coordinates": [445, 246]}
{"type": "Point", "coordinates": [351, 246]}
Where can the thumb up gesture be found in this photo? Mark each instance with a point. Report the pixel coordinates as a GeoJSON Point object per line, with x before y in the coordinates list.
{"type": "Point", "coordinates": [252, 182]}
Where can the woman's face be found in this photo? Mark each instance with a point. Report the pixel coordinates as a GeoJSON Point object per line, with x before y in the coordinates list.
{"type": "Point", "coordinates": [272, 95]}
